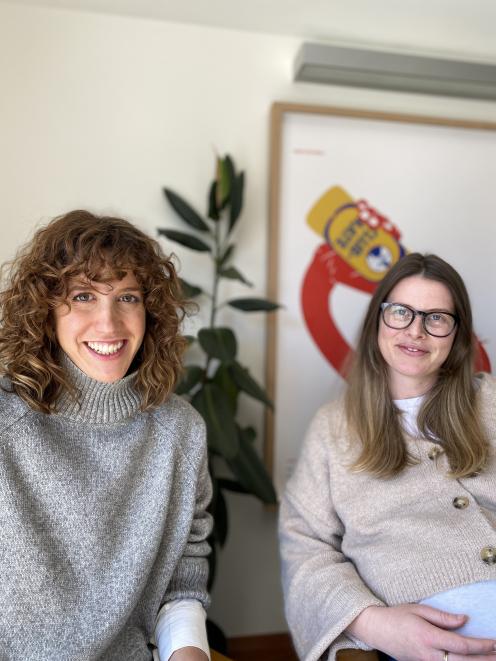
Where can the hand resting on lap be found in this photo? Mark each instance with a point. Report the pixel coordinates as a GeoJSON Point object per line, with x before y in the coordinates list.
{"type": "Point", "coordinates": [411, 632]}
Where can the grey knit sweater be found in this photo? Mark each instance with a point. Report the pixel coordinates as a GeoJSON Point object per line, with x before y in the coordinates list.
{"type": "Point", "coordinates": [102, 520]}
{"type": "Point", "coordinates": [350, 540]}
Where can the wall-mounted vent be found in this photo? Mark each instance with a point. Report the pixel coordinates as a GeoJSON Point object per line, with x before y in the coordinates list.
{"type": "Point", "coordinates": [334, 65]}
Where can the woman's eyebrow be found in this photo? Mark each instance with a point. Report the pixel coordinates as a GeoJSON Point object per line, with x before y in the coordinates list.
{"type": "Point", "coordinates": [96, 287]}
{"type": "Point", "coordinates": [80, 284]}
{"type": "Point", "coordinates": [124, 289]}
{"type": "Point", "coordinates": [429, 310]}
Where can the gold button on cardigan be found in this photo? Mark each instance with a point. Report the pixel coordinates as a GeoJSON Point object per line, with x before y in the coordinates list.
{"type": "Point", "coordinates": [488, 554]}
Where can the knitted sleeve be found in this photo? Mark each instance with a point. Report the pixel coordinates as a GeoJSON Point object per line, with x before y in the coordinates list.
{"type": "Point", "coordinates": [322, 589]}
{"type": "Point", "coordinates": [189, 580]}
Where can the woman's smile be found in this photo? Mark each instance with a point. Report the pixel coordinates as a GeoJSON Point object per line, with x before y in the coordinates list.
{"type": "Point", "coordinates": [107, 349]}
{"type": "Point", "coordinates": [413, 351]}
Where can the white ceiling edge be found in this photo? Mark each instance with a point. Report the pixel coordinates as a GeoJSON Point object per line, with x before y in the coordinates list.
{"type": "Point", "coordinates": [460, 29]}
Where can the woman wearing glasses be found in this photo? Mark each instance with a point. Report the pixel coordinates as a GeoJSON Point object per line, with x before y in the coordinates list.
{"type": "Point", "coordinates": [388, 525]}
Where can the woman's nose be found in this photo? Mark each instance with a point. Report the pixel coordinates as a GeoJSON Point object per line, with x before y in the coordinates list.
{"type": "Point", "coordinates": [416, 328]}
{"type": "Point", "coordinates": [107, 318]}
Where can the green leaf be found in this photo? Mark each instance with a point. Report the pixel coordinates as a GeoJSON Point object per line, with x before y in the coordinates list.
{"type": "Point", "coordinates": [231, 170]}
{"type": "Point", "coordinates": [192, 375]}
{"type": "Point", "coordinates": [233, 274]}
{"type": "Point", "coordinates": [253, 304]}
{"type": "Point", "coordinates": [227, 254]}
{"type": "Point", "coordinates": [231, 485]}
{"type": "Point", "coordinates": [225, 381]}
{"type": "Point", "coordinates": [247, 383]}
{"type": "Point", "coordinates": [250, 470]}
{"type": "Point", "coordinates": [214, 407]}
{"type": "Point", "coordinates": [219, 512]}
{"type": "Point", "coordinates": [190, 339]}
{"type": "Point", "coordinates": [184, 239]}
{"type": "Point", "coordinates": [185, 211]}
{"type": "Point", "coordinates": [223, 188]}
{"type": "Point", "coordinates": [213, 211]}
{"type": "Point", "coordinates": [250, 434]}
{"type": "Point", "coordinates": [219, 343]}
{"type": "Point", "coordinates": [189, 290]}
{"type": "Point", "coordinates": [236, 199]}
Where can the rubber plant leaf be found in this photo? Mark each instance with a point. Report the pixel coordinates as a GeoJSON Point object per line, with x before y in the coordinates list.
{"type": "Point", "coordinates": [192, 375]}
{"type": "Point", "coordinates": [187, 240]}
{"type": "Point", "coordinates": [237, 189]}
{"type": "Point", "coordinates": [218, 343]}
{"type": "Point", "coordinates": [224, 178]}
{"type": "Point", "coordinates": [213, 211]}
{"type": "Point", "coordinates": [250, 434]}
{"type": "Point", "coordinates": [227, 254]}
{"type": "Point", "coordinates": [253, 304]}
{"type": "Point", "coordinates": [214, 407]}
{"type": "Point", "coordinates": [185, 211]}
{"type": "Point", "coordinates": [245, 382]}
{"type": "Point", "coordinates": [251, 472]}
{"type": "Point", "coordinates": [233, 274]}
{"type": "Point", "coordinates": [231, 485]}
{"type": "Point", "coordinates": [189, 290]}
{"type": "Point", "coordinates": [219, 512]}
{"type": "Point", "coordinates": [225, 381]}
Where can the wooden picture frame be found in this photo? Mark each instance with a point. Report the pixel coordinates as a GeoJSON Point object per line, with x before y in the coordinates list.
{"type": "Point", "coordinates": [464, 141]}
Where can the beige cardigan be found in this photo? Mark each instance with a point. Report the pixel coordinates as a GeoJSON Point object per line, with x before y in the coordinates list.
{"type": "Point", "coordinates": [349, 540]}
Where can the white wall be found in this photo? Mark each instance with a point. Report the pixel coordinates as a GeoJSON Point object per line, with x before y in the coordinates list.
{"type": "Point", "coordinates": [101, 111]}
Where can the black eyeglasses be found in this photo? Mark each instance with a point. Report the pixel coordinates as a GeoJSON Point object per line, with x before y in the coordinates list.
{"type": "Point", "coordinates": [436, 323]}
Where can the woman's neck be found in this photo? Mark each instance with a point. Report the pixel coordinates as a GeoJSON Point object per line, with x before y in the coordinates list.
{"type": "Point", "coordinates": [405, 388]}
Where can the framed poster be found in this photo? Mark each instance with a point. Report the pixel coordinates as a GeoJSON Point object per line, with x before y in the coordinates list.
{"type": "Point", "coordinates": [351, 192]}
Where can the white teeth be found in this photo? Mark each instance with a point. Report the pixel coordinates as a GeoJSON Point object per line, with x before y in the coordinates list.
{"type": "Point", "coordinates": [105, 348]}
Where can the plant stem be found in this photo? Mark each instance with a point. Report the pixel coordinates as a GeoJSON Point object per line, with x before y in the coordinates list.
{"type": "Point", "coordinates": [215, 287]}
{"type": "Point", "coordinates": [213, 310]}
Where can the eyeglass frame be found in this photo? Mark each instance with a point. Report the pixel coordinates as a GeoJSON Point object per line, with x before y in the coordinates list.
{"type": "Point", "coordinates": [385, 305]}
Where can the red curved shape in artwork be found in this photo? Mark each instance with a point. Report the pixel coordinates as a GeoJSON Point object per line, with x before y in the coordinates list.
{"type": "Point", "coordinates": [481, 360]}
{"type": "Point", "coordinates": [325, 271]}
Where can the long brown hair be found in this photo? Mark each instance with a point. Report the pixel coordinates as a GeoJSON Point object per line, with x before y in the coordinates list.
{"type": "Point", "coordinates": [449, 411]}
{"type": "Point", "coordinates": [100, 248]}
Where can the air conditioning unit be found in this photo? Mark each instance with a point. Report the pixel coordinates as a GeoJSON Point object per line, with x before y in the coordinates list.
{"type": "Point", "coordinates": [335, 65]}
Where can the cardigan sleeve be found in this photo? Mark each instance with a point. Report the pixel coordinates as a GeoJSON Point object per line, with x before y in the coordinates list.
{"type": "Point", "coordinates": [189, 580]}
{"type": "Point", "coordinates": [322, 589]}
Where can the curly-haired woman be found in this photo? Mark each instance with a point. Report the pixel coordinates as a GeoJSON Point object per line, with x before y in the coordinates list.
{"type": "Point", "coordinates": [103, 472]}
{"type": "Point", "coordinates": [388, 525]}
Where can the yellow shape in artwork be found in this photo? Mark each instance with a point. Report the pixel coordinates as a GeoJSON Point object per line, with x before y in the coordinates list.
{"type": "Point", "coordinates": [369, 250]}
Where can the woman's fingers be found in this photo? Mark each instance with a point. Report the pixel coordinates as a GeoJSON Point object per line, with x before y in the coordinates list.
{"type": "Point", "coordinates": [456, 644]}
{"type": "Point", "coordinates": [439, 618]}
{"type": "Point", "coordinates": [464, 657]}
{"type": "Point", "coordinates": [463, 646]}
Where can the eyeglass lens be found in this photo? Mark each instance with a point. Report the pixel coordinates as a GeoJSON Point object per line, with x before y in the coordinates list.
{"type": "Point", "coordinates": [435, 323]}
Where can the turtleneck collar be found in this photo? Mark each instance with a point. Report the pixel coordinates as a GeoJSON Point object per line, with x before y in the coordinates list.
{"type": "Point", "coordinates": [97, 402]}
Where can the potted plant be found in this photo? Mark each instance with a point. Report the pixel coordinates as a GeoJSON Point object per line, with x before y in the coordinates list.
{"type": "Point", "coordinates": [214, 385]}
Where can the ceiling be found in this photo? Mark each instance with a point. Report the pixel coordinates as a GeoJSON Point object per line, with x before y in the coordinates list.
{"type": "Point", "coordinates": [457, 26]}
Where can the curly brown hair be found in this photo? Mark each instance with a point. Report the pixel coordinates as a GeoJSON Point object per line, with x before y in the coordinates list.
{"type": "Point", "coordinates": [100, 248]}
